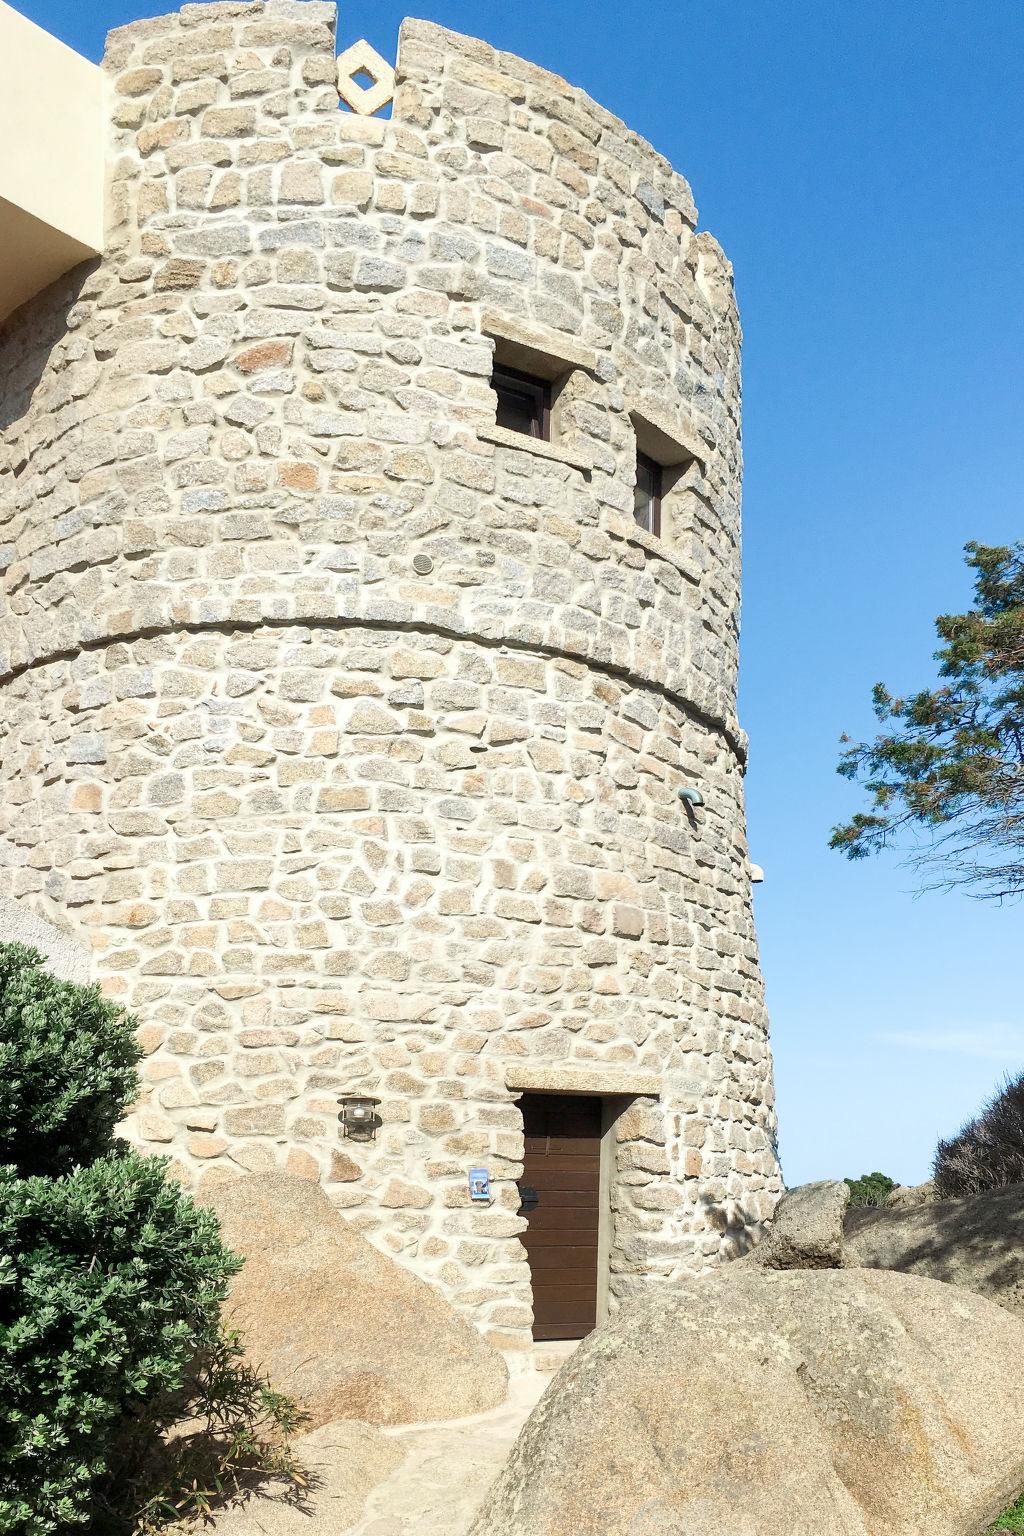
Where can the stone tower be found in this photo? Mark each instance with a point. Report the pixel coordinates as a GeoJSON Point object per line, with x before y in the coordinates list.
{"type": "Point", "coordinates": [346, 705]}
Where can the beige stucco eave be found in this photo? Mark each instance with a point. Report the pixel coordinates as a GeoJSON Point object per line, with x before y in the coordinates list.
{"type": "Point", "coordinates": [52, 119]}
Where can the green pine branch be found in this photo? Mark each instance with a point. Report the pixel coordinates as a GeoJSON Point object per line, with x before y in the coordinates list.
{"type": "Point", "coordinates": [947, 770]}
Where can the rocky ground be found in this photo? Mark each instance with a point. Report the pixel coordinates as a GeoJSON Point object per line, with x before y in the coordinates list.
{"type": "Point", "coordinates": [407, 1480]}
{"type": "Point", "coordinates": [803, 1341]}
{"type": "Point", "coordinates": [446, 1469]}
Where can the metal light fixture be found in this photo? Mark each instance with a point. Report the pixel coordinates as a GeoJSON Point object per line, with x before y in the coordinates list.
{"type": "Point", "coordinates": [691, 796]}
{"type": "Point", "coordinates": [358, 1116]}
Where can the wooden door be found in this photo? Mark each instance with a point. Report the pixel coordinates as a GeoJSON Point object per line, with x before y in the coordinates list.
{"type": "Point", "coordinates": [560, 1197]}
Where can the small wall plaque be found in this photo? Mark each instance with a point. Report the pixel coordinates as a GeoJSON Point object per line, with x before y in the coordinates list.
{"type": "Point", "coordinates": [479, 1184]}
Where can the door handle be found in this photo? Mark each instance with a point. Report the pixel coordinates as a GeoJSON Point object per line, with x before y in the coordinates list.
{"type": "Point", "coordinates": [528, 1197]}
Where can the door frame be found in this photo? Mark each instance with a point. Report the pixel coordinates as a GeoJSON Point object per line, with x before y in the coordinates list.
{"type": "Point", "coordinates": [613, 1105]}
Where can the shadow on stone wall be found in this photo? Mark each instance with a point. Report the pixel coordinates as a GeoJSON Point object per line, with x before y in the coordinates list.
{"type": "Point", "coordinates": [29, 338]}
{"type": "Point", "coordinates": [65, 955]}
{"type": "Point", "coordinates": [741, 1229]}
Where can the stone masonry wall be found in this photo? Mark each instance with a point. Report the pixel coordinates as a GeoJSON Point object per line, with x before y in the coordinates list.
{"type": "Point", "coordinates": [329, 823]}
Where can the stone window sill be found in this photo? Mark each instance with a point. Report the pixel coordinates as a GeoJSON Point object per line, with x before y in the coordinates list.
{"type": "Point", "coordinates": [503, 438]}
{"type": "Point", "coordinates": [632, 533]}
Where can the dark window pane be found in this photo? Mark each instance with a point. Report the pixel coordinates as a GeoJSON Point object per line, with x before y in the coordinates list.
{"type": "Point", "coordinates": [647, 495]}
{"type": "Point", "coordinates": [517, 410]}
{"type": "Point", "coordinates": [522, 402]}
{"type": "Point", "coordinates": [642, 509]}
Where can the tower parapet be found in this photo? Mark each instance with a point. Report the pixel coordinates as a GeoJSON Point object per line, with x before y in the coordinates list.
{"type": "Point", "coordinates": [346, 710]}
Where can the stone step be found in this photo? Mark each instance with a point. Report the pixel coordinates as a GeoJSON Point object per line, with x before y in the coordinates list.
{"type": "Point", "coordinates": [548, 1358]}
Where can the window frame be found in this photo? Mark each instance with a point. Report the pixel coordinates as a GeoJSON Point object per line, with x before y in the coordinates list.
{"type": "Point", "coordinates": [656, 472]}
{"type": "Point", "coordinates": [538, 392]}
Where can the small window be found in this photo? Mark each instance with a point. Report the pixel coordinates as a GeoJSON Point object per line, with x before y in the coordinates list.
{"type": "Point", "coordinates": [647, 496]}
{"type": "Point", "coordinates": [524, 403]}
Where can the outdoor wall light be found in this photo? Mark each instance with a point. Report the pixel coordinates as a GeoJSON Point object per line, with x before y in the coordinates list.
{"type": "Point", "coordinates": [358, 1116]}
{"type": "Point", "coordinates": [690, 796]}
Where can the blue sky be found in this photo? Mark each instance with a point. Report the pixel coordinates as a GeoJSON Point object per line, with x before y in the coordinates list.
{"type": "Point", "coordinates": [862, 165]}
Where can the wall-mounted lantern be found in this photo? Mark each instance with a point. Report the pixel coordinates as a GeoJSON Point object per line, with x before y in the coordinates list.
{"type": "Point", "coordinates": [358, 1116]}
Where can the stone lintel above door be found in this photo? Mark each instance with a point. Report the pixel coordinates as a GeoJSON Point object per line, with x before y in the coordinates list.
{"type": "Point", "coordinates": [604, 1078]}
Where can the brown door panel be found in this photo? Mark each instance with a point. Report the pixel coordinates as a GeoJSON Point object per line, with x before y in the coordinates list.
{"type": "Point", "coordinates": [556, 1168]}
{"type": "Point", "coordinates": [558, 1260]}
{"type": "Point", "coordinates": [575, 1301]}
{"type": "Point", "coordinates": [561, 1116]}
{"type": "Point", "coordinates": [560, 1310]}
{"type": "Point", "coordinates": [563, 1186]}
{"type": "Point", "coordinates": [558, 1194]}
{"type": "Point", "coordinates": [561, 1199]}
{"type": "Point", "coordinates": [557, 1238]}
{"type": "Point", "coordinates": [547, 1218]}
{"type": "Point", "coordinates": [565, 1146]}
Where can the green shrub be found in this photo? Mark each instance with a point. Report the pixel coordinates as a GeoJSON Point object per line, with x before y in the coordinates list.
{"type": "Point", "coordinates": [231, 1433]}
{"type": "Point", "coordinates": [871, 1189]}
{"type": "Point", "coordinates": [111, 1281]}
{"type": "Point", "coordinates": [67, 1067]}
{"type": "Point", "coordinates": [987, 1152]}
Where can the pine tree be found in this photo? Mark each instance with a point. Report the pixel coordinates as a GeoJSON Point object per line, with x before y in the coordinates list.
{"type": "Point", "coordinates": [949, 764]}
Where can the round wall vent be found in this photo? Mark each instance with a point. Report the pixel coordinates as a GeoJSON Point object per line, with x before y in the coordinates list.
{"type": "Point", "coordinates": [422, 565]}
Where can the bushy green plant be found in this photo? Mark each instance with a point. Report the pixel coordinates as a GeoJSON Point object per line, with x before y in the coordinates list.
{"type": "Point", "coordinates": [987, 1152]}
{"type": "Point", "coordinates": [871, 1189]}
{"type": "Point", "coordinates": [67, 1066]}
{"type": "Point", "coordinates": [111, 1281]}
{"type": "Point", "coordinates": [231, 1431]}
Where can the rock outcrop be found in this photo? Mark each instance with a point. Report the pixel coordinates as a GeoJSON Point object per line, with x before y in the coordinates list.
{"type": "Point", "coordinates": [906, 1196]}
{"type": "Point", "coordinates": [339, 1325]}
{"type": "Point", "coordinates": [977, 1243]}
{"type": "Point", "coordinates": [756, 1401]}
{"type": "Point", "coordinates": [807, 1228]}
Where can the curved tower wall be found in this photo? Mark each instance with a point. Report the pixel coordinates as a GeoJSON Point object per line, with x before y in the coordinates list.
{"type": "Point", "coordinates": [333, 821]}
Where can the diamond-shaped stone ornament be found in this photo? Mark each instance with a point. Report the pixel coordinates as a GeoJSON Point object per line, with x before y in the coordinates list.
{"type": "Point", "coordinates": [361, 58]}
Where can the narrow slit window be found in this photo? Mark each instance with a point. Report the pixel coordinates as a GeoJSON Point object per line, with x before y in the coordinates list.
{"type": "Point", "coordinates": [647, 495]}
{"type": "Point", "coordinates": [524, 403]}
